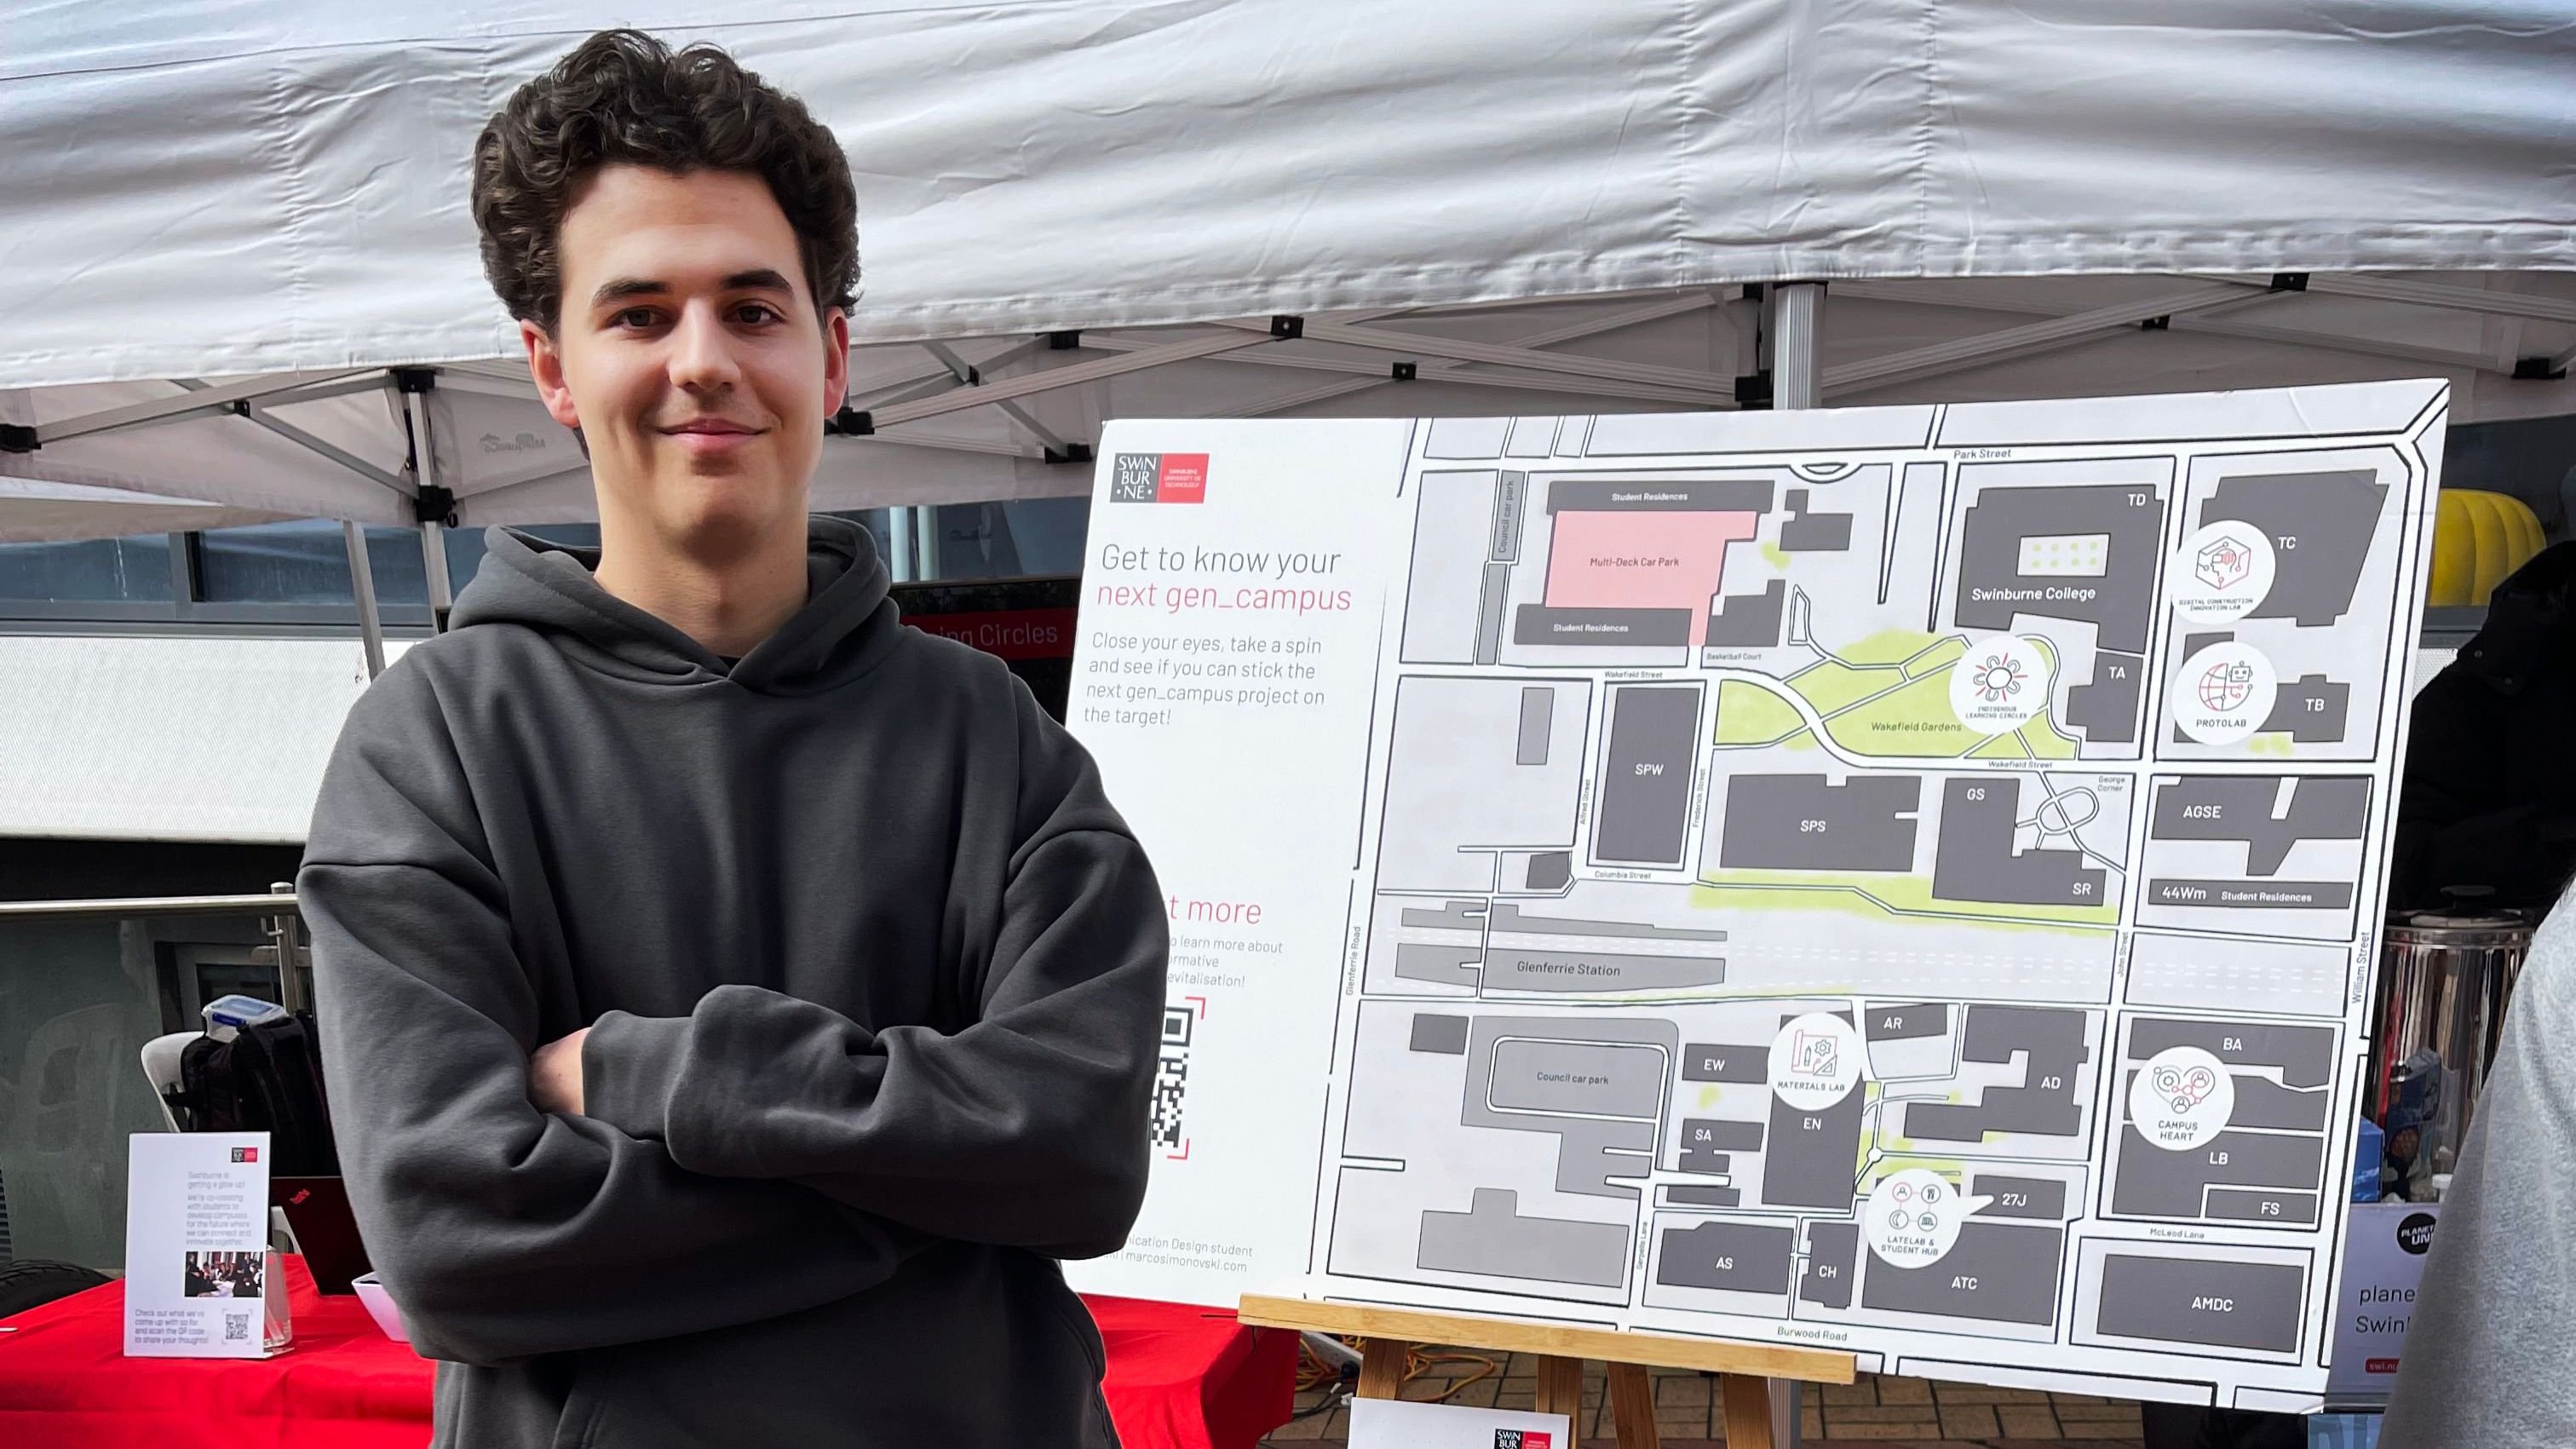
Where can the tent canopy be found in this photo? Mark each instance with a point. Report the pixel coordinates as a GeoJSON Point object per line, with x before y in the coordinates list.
{"type": "Point", "coordinates": [244, 274]}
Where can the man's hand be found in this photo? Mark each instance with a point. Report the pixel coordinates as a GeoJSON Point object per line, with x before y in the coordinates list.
{"type": "Point", "coordinates": [554, 1074]}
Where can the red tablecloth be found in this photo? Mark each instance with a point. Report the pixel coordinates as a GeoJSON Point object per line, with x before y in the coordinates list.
{"type": "Point", "coordinates": [1187, 1378]}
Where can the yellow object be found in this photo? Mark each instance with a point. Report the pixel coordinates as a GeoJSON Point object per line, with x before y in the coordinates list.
{"type": "Point", "coordinates": [2479, 539]}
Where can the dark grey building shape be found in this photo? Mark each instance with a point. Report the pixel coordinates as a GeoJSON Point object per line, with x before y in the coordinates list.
{"type": "Point", "coordinates": [1602, 628]}
{"type": "Point", "coordinates": [2232, 807]}
{"type": "Point", "coordinates": [2311, 709]}
{"type": "Point", "coordinates": [1814, 1157]}
{"type": "Point", "coordinates": [2045, 1103]}
{"type": "Point", "coordinates": [2203, 1302]}
{"type": "Point", "coordinates": [1717, 1062]}
{"type": "Point", "coordinates": [1552, 871]}
{"type": "Point", "coordinates": [1975, 860]}
{"type": "Point", "coordinates": [2305, 1054]}
{"type": "Point", "coordinates": [1694, 495]}
{"type": "Point", "coordinates": [1998, 1272]}
{"type": "Point", "coordinates": [1805, 822]}
{"type": "Point", "coordinates": [1646, 778]}
{"type": "Point", "coordinates": [1802, 531]}
{"type": "Point", "coordinates": [2154, 1183]}
{"type": "Point", "coordinates": [2121, 606]}
{"type": "Point", "coordinates": [1439, 1035]}
{"type": "Point", "coordinates": [1884, 1022]}
{"type": "Point", "coordinates": [1701, 1195]}
{"type": "Point", "coordinates": [1833, 1259]}
{"type": "Point", "coordinates": [2105, 707]}
{"type": "Point", "coordinates": [2320, 524]}
{"type": "Point", "coordinates": [1738, 1257]}
{"type": "Point", "coordinates": [2041, 1198]}
{"type": "Point", "coordinates": [1748, 621]}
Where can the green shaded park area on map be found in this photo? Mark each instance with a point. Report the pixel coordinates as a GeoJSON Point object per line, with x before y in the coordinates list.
{"type": "Point", "coordinates": [1887, 695]}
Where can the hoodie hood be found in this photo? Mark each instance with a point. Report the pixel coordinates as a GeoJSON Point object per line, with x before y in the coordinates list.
{"type": "Point", "coordinates": [845, 627]}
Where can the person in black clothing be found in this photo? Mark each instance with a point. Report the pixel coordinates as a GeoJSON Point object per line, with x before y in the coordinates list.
{"type": "Point", "coordinates": [2489, 803]}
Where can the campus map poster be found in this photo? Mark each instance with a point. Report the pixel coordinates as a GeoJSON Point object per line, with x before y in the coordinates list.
{"type": "Point", "coordinates": [1897, 880]}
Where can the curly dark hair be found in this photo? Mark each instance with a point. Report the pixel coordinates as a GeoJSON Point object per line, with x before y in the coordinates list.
{"type": "Point", "coordinates": [626, 96]}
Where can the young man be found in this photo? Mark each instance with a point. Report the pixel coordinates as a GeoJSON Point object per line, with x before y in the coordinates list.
{"type": "Point", "coordinates": [734, 1002]}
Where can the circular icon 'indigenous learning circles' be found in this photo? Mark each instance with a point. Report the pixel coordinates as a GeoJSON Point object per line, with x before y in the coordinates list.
{"type": "Point", "coordinates": [1999, 683]}
{"type": "Point", "coordinates": [2222, 574]}
{"type": "Point", "coordinates": [2181, 1098]}
{"type": "Point", "coordinates": [2224, 693]}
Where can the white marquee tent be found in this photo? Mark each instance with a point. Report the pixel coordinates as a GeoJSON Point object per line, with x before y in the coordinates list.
{"type": "Point", "coordinates": [243, 280]}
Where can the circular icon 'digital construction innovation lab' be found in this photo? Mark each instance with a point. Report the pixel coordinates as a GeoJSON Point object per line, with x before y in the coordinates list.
{"type": "Point", "coordinates": [2181, 1098]}
{"type": "Point", "coordinates": [1999, 683]}
{"type": "Point", "coordinates": [1815, 1061]}
{"type": "Point", "coordinates": [1913, 1217]}
{"type": "Point", "coordinates": [2223, 572]}
{"type": "Point", "coordinates": [2224, 693]}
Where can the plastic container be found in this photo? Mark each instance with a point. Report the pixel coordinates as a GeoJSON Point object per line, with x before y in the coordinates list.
{"type": "Point", "coordinates": [380, 1306]}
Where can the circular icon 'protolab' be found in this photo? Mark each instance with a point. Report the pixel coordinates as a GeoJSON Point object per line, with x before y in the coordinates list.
{"type": "Point", "coordinates": [1815, 1061]}
{"type": "Point", "coordinates": [2181, 1098]}
{"type": "Point", "coordinates": [2223, 572]}
{"type": "Point", "coordinates": [1999, 683]}
{"type": "Point", "coordinates": [2224, 693]}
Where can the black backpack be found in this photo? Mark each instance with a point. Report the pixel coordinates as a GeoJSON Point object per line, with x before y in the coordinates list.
{"type": "Point", "coordinates": [268, 1078]}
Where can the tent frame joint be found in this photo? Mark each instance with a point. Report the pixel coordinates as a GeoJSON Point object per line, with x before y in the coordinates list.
{"type": "Point", "coordinates": [434, 504]}
{"type": "Point", "coordinates": [414, 379]}
{"type": "Point", "coordinates": [1064, 341]}
{"type": "Point", "coordinates": [2289, 282]}
{"type": "Point", "coordinates": [1287, 328]}
{"type": "Point", "coordinates": [2539, 369]}
{"type": "Point", "coordinates": [18, 438]}
{"type": "Point", "coordinates": [1753, 389]}
{"type": "Point", "coordinates": [852, 423]}
{"type": "Point", "coordinates": [1070, 453]}
{"type": "Point", "coordinates": [1404, 372]}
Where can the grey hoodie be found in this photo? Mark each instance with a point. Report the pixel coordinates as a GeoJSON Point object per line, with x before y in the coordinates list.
{"type": "Point", "coordinates": [2486, 1363]}
{"type": "Point", "coordinates": [874, 977]}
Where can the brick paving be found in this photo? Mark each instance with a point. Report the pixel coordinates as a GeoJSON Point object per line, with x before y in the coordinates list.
{"type": "Point", "coordinates": [1882, 1413]}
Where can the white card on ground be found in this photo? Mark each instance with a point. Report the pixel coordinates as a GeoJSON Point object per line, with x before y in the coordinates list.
{"type": "Point", "coordinates": [1402, 1424]}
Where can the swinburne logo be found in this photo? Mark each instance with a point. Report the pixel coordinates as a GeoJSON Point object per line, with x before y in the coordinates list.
{"type": "Point", "coordinates": [1158, 478]}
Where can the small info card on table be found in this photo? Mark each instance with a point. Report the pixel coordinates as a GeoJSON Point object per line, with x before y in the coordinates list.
{"type": "Point", "coordinates": [199, 1279]}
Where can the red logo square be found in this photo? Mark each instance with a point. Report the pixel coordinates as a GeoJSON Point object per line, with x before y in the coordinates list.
{"type": "Point", "coordinates": [1183, 478]}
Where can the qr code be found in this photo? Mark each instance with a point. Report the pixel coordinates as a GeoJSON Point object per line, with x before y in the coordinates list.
{"type": "Point", "coordinates": [1172, 1078]}
{"type": "Point", "coordinates": [236, 1328]}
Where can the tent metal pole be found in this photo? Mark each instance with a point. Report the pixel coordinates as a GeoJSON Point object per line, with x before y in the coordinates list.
{"type": "Point", "coordinates": [1797, 359]}
{"type": "Point", "coordinates": [433, 530]}
{"type": "Point", "coordinates": [925, 543]}
{"type": "Point", "coordinates": [433, 560]}
{"type": "Point", "coordinates": [899, 534]}
{"type": "Point", "coordinates": [1797, 381]}
{"type": "Point", "coordinates": [199, 400]}
{"type": "Point", "coordinates": [362, 583]}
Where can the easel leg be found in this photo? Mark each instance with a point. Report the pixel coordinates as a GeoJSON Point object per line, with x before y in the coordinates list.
{"type": "Point", "coordinates": [1560, 1389]}
{"type": "Point", "coordinates": [1632, 1407]}
{"type": "Point", "coordinates": [1382, 1368]}
{"type": "Point", "coordinates": [1748, 1411]}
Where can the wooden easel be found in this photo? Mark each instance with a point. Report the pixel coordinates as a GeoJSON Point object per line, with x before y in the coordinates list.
{"type": "Point", "coordinates": [1561, 1351]}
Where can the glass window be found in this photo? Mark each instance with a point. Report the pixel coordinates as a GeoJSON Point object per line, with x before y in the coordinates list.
{"type": "Point", "coordinates": [305, 562]}
{"type": "Point", "coordinates": [91, 571]}
{"type": "Point", "coordinates": [465, 547]}
{"type": "Point", "coordinates": [1008, 540]}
